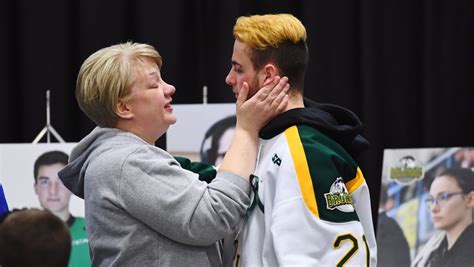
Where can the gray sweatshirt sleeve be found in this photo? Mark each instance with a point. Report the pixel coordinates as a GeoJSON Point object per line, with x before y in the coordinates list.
{"type": "Point", "coordinates": [154, 189]}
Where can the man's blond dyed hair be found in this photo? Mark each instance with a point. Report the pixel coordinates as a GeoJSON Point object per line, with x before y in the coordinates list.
{"type": "Point", "coordinates": [279, 39]}
{"type": "Point", "coordinates": [264, 31]}
{"type": "Point", "coordinates": [106, 76]}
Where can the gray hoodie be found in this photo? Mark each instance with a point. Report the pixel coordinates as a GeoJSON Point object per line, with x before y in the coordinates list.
{"type": "Point", "coordinates": [143, 209]}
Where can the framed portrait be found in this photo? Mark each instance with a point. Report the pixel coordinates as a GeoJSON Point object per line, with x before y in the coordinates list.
{"type": "Point", "coordinates": [17, 174]}
{"type": "Point", "coordinates": [408, 193]}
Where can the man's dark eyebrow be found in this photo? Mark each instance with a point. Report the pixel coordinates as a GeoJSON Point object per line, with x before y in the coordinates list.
{"type": "Point", "coordinates": [236, 63]}
{"type": "Point", "coordinates": [43, 178]}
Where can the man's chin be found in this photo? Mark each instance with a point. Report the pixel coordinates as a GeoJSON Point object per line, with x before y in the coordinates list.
{"type": "Point", "coordinates": [54, 208]}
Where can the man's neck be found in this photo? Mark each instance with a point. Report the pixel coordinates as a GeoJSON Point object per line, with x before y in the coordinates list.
{"type": "Point", "coordinates": [295, 100]}
{"type": "Point", "coordinates": [63, 215]}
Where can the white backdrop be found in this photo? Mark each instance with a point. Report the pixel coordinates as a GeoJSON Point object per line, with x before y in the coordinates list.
{"type": "Point", "coordinates": [16, 174]}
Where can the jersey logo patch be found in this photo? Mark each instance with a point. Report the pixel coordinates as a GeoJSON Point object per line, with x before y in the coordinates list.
{"type": "Point", "coordinates": [338, 197]}
{"type": "Point", "coordinates": [276, 160]}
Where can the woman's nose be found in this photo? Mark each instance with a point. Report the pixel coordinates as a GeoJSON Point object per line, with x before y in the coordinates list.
{"type": "Point", "coordinates": [170, 90]}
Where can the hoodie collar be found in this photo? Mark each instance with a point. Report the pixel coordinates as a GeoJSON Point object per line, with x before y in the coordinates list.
{"type": "Point", "coordinates": [338, 123]}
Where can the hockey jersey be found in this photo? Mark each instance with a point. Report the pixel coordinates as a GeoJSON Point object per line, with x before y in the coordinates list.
{"type": "Point", "coordinates": [311, 204]}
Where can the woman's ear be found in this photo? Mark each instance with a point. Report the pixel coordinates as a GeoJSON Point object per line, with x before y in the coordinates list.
{"type": "Point", "coordinates": [123, 109]}
{"type": "Point", "coordinates": [270, 71]}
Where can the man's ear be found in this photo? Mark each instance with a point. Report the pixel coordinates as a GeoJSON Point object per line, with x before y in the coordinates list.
{"type": "Point", "coordinates": [270, 71]}
{"type": "Point", "coordinates": [123, 110]}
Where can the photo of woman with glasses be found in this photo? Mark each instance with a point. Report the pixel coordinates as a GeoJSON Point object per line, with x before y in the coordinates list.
{"type": "Point", "coordinates": [451, 203]}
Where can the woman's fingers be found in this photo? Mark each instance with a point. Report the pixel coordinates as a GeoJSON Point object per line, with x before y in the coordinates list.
{"type": "Point", "coordinates": [243, 93]}
{"type": "Point", "coordinates": [281, 100]}
{"type": "Point", "coordinates": [278, 88]}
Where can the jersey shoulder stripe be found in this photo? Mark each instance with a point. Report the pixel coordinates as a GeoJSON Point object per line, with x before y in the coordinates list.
{"type": "Point", "coordinates": [322, 170]}
{"type": "Point", "coordinates": [302, 169]}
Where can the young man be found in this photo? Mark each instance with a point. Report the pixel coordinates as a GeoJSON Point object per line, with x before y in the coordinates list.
{"type": "Point", "coordinates": [142, 208]}
{"type": "Point", "coordinates": [54, 197]}
{"type": "Point", "coordinates": [310, 202]}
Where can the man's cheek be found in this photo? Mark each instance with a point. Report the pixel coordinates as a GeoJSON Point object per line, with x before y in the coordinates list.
{"type": "Point", "coordinates": [252, 92]}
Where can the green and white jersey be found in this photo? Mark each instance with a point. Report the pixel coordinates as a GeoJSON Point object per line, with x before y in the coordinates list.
{"type": "Point", "coordinates": [80, 245]}
{"type": "Point", "coordinates": [313, 205]}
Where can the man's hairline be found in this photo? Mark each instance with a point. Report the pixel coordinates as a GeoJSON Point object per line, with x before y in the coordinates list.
{"type": "Point", "coordinates": [47, 164]}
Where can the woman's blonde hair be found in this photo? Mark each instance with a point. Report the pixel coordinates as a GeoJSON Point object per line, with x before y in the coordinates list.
{"type": "Point", "coordinates": [106, 76]}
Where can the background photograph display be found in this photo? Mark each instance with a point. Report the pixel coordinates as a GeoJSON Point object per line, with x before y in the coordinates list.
{"type": "Point", "coordinates": [202, 131]}
{"type": "Point", "coordinates": [17, 175]}
{"type": "Point", "coordinates": [407, 224]}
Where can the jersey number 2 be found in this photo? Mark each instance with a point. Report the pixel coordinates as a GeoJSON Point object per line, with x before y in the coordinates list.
{"type": "Point", "coordinates": [353, 250]}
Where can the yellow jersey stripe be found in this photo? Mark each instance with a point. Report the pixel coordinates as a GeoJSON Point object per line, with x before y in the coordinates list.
{"type": "Point", "coordinates": [356, 182]}
{"type": "Point", "coordinates": [302, 169]}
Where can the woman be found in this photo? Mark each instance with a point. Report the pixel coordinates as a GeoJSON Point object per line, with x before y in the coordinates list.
{"type": "Point", "coordinates": [451, 202]}
{"type": "Point", "coordinates": [141, 207]}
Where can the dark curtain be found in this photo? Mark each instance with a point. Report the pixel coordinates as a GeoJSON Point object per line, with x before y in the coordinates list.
{"type": "Point", "coordinates": [405, 67]}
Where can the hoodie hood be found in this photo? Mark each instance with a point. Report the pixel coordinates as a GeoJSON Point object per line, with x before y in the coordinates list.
{"type": "Point", "coordinates": [338, 123]}
{"type": "Point", "coordinates": [72, 175]}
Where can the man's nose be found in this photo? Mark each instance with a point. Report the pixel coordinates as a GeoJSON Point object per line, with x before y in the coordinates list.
{"type": "Point", "coordinates": [229, 79]}
{"type": "Point", "coordinates": [53, 188]}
